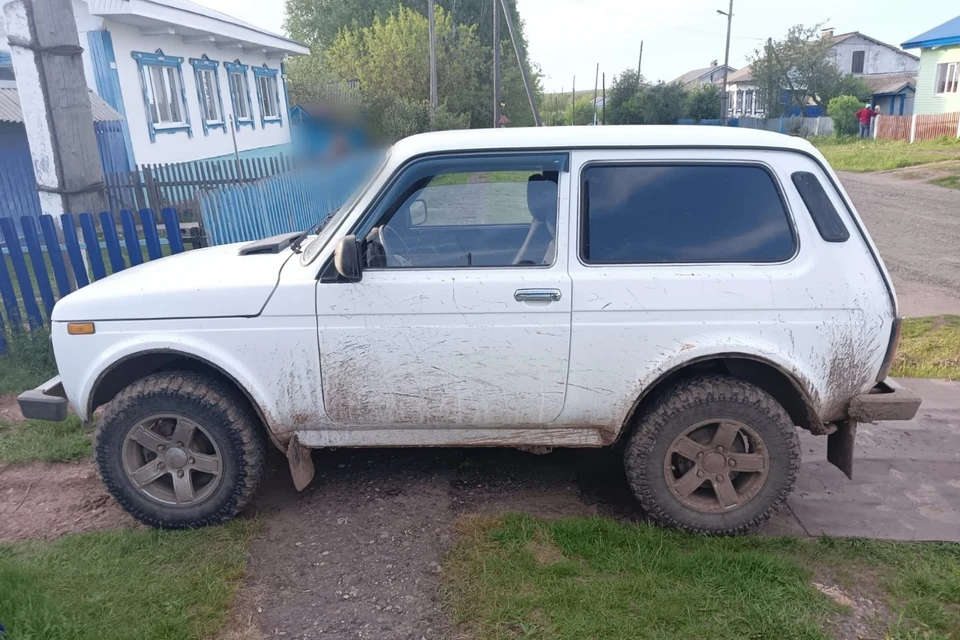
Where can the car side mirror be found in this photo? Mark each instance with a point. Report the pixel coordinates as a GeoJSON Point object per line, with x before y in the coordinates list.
{"type": "Point", "coordinates": [346, 258]}
{"type": "Point", "coordinates": [418, 213]}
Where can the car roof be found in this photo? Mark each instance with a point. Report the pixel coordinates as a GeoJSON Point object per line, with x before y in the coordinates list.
{"type": "Point", "coordinates": [594, 137]}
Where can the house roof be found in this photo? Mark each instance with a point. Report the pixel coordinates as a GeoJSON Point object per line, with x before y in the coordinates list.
{"type": "Point", "coordinates": [743, 75]}
{"type": "Point", "coordinates": [837, 39]}
{"type": "Point", "coordinates": [945, 34]}
{"type": "Point", "coordinates": [695, 74]}
{"type": "Point", "coordinates": [889, 83]}
{"type": "Point", "coordinates": [189, 19]}
{"type": "Point", "coordinates": [10, 107]}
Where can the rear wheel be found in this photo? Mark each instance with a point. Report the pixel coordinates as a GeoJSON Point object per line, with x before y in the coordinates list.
{"type": "Point", "coordinates": [179, 450]}
{"type": "Point", "coordinates": [713, 454]}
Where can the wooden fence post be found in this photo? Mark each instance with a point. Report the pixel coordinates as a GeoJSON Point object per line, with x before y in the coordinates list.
{"type": "Point", "coordinates": [958, 125]}
{"type": "Point", "coordinates": [913, 128]}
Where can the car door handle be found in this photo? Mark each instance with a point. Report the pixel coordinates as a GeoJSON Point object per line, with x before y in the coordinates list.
{"type": "Point", "coordinates": [536, 295]}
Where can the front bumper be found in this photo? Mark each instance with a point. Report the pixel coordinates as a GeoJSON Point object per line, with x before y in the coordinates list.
{"type": "Point", "coordinates": [46, 402]}
{"type": "Point", "coordinates": [886, 401]}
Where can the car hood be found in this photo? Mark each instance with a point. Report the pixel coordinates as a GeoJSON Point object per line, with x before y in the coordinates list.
{"type": "Point", "coordinates": [216, 282]}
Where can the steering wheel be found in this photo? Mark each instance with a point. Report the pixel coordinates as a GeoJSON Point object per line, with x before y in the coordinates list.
{"type": "Point", "coordinates": [393, 260]}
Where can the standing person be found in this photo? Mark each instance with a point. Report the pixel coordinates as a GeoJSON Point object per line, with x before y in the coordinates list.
{"type": "Point", "coordinates": [865, 115]}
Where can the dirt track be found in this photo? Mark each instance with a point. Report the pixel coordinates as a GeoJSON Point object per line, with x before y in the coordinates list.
{"type": "Point", "coordinates": [917, 229]}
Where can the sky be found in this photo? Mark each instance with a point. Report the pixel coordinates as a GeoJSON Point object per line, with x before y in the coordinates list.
{"type": "Point", "coordinates": [569, 38]}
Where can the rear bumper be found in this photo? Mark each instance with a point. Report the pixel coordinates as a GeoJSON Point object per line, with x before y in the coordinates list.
{"type": "Point", "coordinates": [886, 401]}
{"type": "Point", "coordinates": [46, 402]}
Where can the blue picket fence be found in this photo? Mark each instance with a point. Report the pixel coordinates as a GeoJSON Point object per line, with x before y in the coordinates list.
{"type": "Point", "coordinates": [292, 201]}
{"type": "Point", "coordinates": [31, 286]}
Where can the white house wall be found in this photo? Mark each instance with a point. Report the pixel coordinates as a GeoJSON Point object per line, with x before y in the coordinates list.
{"type": "Point", "coordinates": [179, 147]}
{"type": "Point", "coordinates": [877, 58]}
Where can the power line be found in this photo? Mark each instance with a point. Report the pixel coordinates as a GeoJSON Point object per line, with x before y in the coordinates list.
{"type": "Point", "coordinates": [666, 25]}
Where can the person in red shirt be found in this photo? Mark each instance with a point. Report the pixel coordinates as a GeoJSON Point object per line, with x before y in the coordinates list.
{"type": "Point", "coordinates": [865, 115]}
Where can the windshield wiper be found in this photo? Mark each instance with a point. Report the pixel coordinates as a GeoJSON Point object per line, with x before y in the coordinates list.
{"type": "Point", "coordinates": [295, 245]}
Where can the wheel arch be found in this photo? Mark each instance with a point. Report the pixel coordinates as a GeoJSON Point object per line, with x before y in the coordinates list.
{"type": "Point", "coordinates": [782, 385]}
{"type": "Point", "coordinates": [130, 368]}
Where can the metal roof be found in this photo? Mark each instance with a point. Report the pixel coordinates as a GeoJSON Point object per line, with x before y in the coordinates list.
{"type": "Point", "coordinates": [10, 107]}
{"type": "Point", "coordinates": [945, 34]}
{"type": "Point", "coordinates": [890, 83]}
{"type": "Point", "coordinates": [696, 74]}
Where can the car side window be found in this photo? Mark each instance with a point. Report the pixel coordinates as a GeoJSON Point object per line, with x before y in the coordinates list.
{"type": "Point", "coordinates": [824, 214]}
{"type": "Point", "coordinates": [659, 214]}
{"type": "Point", "coordinates": [485, 211]}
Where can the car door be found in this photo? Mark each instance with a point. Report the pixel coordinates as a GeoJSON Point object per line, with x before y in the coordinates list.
{"type": "Point", "coordinates": [462, 315]}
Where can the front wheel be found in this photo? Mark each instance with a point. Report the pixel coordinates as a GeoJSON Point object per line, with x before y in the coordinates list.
{"type": "Point", "coordinates": [714, 455]}
{"type": "Point", "coordinates": [179, 450]}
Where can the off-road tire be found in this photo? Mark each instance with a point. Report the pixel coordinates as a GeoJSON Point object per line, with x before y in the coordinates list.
{"type": "Point", "coordinates": [208, 402]}
{"type": "Point", "coordinates": [703, 398]}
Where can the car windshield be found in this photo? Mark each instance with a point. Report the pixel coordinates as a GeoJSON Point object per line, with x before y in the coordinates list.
{"type": "Point", "coordinates": [332, 222]}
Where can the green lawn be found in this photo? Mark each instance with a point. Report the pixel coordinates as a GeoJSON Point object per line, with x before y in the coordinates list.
{"type": "Point", "coordinates": [929, 348]}
{"type": "Point", "coordinates": [35, 440]}
{"type": "Point", "coordinates": [518, 577]}
{"type": "Point", "coordinates": [118, 585]}
{"type": "Point", "coordinates": [850, 154]}
{"type": "Point", "coordinates": [950, 182]}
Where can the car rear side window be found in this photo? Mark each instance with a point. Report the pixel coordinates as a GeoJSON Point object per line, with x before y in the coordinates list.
{"type": "Point", "coordinates": [655, 214]}
{"type": "Point", "coordinates": [821, 209]}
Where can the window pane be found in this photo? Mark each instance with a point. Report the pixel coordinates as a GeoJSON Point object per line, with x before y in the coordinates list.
{"type": "Point", "coordinates": [941, 85]}
{"type": "Point", "coordinates": [683, 214]}
{"type": "Point", "coordinates": [239, 90]}
{"type": "Point", "coordinates": [173, 93]}
{"type": "Point", "coordinates": [208, 91]}
{"type": "Point", "coordinates": [480, 218]}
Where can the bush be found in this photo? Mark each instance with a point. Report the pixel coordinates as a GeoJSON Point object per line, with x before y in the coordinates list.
{"type": "Point", "coordinates": [843, 110]}
{"type": "Point", "coordinates": [705, 102]}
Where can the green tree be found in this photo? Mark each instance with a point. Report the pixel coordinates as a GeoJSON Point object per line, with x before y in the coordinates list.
{"type": "Point", "coordinates": [390, 60]}
{"type": "Point", "coordinates": [663, 103]}
{"type": "Point", "coordinates": [317, 24]}
{"type": "Point", "coordinates": [582, 112]}
{"type": "Point", "coordinates": [843, 110]}
{"type": "Point", "coordinates": [624, 103]}
{"type": "Point", "coordinates": [704, 102]}
{"type": "Point", "coordinates": [799, 67]}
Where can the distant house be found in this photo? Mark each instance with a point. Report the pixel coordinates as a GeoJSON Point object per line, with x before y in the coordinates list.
{"type": "Point", "coordinates": [187, 80]}
{"type": "Point", "coordinates": [708, 75]}
{"type": "Point", "coordinates": [743, 94]}
{"type": "Point", "coordinates": [938, 83]}
{"type": "Point", "coordinates": [859, 54]}
{"type": "Point", "coordinates": [889, 71]}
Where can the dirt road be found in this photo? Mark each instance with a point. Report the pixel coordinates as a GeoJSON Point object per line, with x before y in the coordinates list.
{"type": "Point", "coordinates": [917, 229]}
{"type": "Point", "coordinates": [358, 553]}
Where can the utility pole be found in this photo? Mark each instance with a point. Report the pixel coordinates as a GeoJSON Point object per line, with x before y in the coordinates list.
{"type": "Point", "coordinates": [603, 109]}
{"type": "Point", "coordinates": [640, 63]}
{"type": "Point", "coordinates": [496, 64]}
{"type": "Point", "coordinates": [45, 50]}
{"type": "Point", "coordinates": [596, 78]}
{"type": "Point", "coordinates": [726, 60]}
{"type": "Point", "coordinates": [523, 64]}
{"type": "Point", "coordinates": [433, 59]}
{"type": "Point", "coordinates": [573, 103]}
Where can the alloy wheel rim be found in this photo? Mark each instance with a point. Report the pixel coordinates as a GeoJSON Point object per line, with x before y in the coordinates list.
{"type": "Point", "coordinates": [716, 465]}
{"type": "Point", "coordinates": [172, 460]}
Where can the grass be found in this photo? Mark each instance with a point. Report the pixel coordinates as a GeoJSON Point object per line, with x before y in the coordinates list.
{"type": "Point", "coordinates": [38, 441]}
{"type": "Point", "coordinates": [515, 576]}
{"type": "Point", "coordinates": [929, 348]}
{"type": "Point", "coordinates": [149, 585]}
{"type": "Point", "coordinates": [28, 361]}
{"type": "Point", "coordinates": [950, 182]}
{"type": "Point", "coordinates": [850, 154]}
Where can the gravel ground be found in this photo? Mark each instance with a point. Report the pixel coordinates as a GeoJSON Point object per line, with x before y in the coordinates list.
{"type": "Point", "coordinates": [916, 226]}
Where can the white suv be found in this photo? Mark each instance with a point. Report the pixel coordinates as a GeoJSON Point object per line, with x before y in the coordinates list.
{"type": "Point", "coordinates": [691, 295]}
